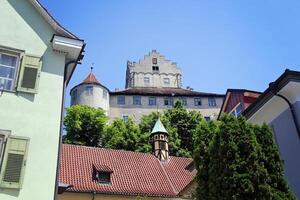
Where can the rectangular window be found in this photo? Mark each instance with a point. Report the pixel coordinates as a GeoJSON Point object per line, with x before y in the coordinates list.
{"type": "Point", "coordinates": [104, 177]}
{"type": "Point", "coordinates": [212, 101]}
{"type": "Point", "coordinates": [166, 81]}
{"type": "Point", "coordinates": [154, 61]}
{"type": "Point", "coordinates": [8, 69]}
{"type": "Point", "coordinates": [183, 101]}
{"type": "Point", "coordinates": [13, 162]}
{"type": "Point", "coordinates": [121, 100]}
{"type": "Point", "coordinates": [89, 90]}
{"type": "Point", "coordinates": [197, 101]}
{"type": "Point", "coordinates": [137, 100]}
{"type": "Point", "coordinates": [104, 94]}
{"type": "Point", "coordinates": [3, 136]}
{"type": "Point", "coordinates": [152, 101]}
{"type": "Point", "coordinates": [237, 111]}
{"type": "Point", "coordinates": [155, 68]}
{"type": "Point", "coordinates": [146, 81]}
{"type": "Point", "coordinates": [168, 101]}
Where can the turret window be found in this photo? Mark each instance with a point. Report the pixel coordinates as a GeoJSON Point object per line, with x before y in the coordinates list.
{"type": "Point", "coordinates": [162, 145]}
{"type": "Point", "coordinates": [74, 95]}
{"type": "Point", "coordinates": [104, 95]}
{"type": "Point", "coordinates": [89, 90]}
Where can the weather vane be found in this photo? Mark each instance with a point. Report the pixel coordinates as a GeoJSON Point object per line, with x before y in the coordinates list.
{"type": "Point", "coordinates": [92, 67]}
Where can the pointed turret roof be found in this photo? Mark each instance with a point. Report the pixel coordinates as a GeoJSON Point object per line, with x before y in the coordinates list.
{"type": "Point", "coordinates": [91, 79]}
{"type": "Point", "coordinates": [159, 127]}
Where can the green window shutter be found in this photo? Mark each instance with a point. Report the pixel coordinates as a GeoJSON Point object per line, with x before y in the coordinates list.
{"type": "Point", "coordinates": [14, 161]}
{"type": "Point", "coordinates": [29, 74]}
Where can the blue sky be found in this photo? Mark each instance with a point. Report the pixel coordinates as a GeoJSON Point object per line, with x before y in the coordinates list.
{"type": "Point", "coordinates": [217, 44]}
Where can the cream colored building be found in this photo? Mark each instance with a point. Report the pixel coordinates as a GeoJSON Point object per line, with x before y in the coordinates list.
{"type": "Point", "coordinates": [152, 84]}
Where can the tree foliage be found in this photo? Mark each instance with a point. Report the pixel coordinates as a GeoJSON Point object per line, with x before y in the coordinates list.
{"type": "Point", "coordinates": [236, 160]}
{"type": "Point", "coordinates": [84, 125]}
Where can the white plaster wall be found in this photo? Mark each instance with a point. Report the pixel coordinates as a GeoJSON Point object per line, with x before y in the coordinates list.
{"type": "Point", "coordinates": [137, 111]}
{"type": "Point", "coordinates": [143, 68]}
{"type": "Point", "coordinates": [97, 100]}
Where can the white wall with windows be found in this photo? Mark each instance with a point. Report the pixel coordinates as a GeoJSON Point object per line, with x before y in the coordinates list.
{"type": "Point", "coordinates": [93, 95]}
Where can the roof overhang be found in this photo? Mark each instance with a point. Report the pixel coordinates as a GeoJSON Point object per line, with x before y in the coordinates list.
{"type": "Point", "coordinates": [72, 48]}
{"type": "Point", "coordinates": [288, 85]}
{"type": "Point", "coordinates": [50, 19]}
{"type": "Point", "coordinates": [62, 187]}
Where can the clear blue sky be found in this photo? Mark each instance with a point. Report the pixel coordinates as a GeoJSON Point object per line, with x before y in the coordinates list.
{"type": "Point", "coordinates": [217, 44]}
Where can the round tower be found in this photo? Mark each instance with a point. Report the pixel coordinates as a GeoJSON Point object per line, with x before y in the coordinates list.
{"type": "Point", "coordinates": [159, 140]}
{"type": "Point", "coordinates": [90, 92]}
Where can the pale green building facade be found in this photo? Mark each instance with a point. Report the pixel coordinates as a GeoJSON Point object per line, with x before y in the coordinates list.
{"type": "Point", "coordinates": [37, 58]}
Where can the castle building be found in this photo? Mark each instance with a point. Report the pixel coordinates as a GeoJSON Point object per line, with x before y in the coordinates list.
{"type": "Point", "coordinates": [152, 84]}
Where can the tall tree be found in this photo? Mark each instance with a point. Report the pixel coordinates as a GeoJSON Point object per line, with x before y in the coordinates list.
{"type": "Point", "coordinates": [84, 125]}
{"type": "Point", "coordinates": [240, 161]}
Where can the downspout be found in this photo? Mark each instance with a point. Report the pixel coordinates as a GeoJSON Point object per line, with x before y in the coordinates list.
{"type": "Point", "coordinates": [76, 61]}
{"type": "Point", "coordinates": [292, 111]}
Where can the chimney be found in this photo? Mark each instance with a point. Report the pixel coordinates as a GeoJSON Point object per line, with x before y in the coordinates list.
{"type": "Point", "coordinates": [159, 140]}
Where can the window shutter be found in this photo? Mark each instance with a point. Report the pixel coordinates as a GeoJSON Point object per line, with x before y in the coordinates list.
{"type": "Point", "coordinates": [29, 74]}
{"type": "Point", "coordinates": [12, 170]}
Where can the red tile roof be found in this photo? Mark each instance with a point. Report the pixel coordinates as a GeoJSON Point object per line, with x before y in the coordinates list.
{"type": "Point", "coordinates": [91, 79]}
{"type": "Point", "coordinates": [133, 173]}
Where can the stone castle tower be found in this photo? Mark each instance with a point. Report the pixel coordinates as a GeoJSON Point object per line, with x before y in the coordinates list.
{"type": "Point", "coordinates": [91, 92]}
{"type": "Point", "coordinates": [153, 71]}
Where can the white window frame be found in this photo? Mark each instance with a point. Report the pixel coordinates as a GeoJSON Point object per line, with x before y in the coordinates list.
{"type": "Point", "coordinates": [210, 102]}
{"type": "Point", "coordinates": [146, 81]}
{"type": "Point", "coordinates": [137, 97]}
{"type": "Point", "coordinates": [121, 96]}
{"type": "Point", "coordinates": [89, 90]}
{"type": "Point", "coordinates": [5, 134]}
{"type": "Point", "coordinates": [15, 53]}
{"type": "Point", "coordinates": [234, 112]}
{"type": "Point", "coordinates": [197, 99]}
{"type": "Point", "coordinates": [167, 81]}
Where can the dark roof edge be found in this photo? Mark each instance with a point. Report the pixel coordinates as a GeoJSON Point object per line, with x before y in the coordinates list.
{"type": "Point", "coordinates": [273, 88]}
{"type": "Point", "coordinates": [99, 84]}
{"type": "Point", "coordinates": [194, 93]}
{"type": "Point", "coordinates": [124, 193]}
{"type": "Point", "coordinates": [71, 35]}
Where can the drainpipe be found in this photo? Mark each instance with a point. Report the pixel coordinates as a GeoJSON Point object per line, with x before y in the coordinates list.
{"type": "Point", "coordinates": [292, 111]}
{"type": "Point", "coordinates": [76, 61]}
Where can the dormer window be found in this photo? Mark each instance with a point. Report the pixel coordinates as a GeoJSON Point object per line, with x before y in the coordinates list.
{"type": "Point", "coordinates": [102, 174]}
{"type": "Point", "coordinates": [104, 177]}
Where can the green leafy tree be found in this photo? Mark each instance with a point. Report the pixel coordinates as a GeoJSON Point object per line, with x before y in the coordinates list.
{"type": "Point", "coordinates": [203, 136]}
{"type": "Point", "coordinates": [273, 164]}
{"type": "Point", "coordinates": [84, 125]}
{"type": "Point", "coordinates": [185, 123]}
{"type": "Point", "coordinates": [122, 135]}
{"type": "Point", "coordinates": [236, 160]}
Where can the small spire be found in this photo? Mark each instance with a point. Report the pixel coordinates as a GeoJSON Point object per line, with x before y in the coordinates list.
{"type": "Point", "coordinates": [159, 127]}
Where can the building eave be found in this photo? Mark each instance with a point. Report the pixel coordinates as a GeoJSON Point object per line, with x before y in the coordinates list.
{"type": "Point", "coordinates": [273, 88]}
{"type": "Point", "coordinates": [51, 20]}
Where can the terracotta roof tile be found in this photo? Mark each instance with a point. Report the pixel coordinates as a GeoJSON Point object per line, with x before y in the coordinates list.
{"type": "Point", "coordinates": [133, 173]}
{"type": "Point", "coordinates": [91, 79]}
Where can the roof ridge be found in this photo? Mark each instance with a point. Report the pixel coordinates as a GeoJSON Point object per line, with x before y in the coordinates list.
{"type": "Point", "coordinates": [167, 177]}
